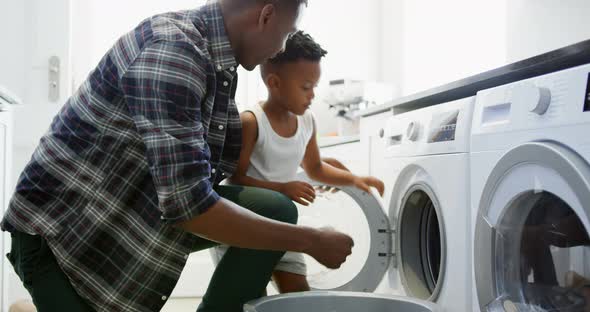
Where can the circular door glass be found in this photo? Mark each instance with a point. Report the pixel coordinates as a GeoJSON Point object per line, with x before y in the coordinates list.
{"type": "Point", "coordinates": [339, 211]}
{"type": "Point", "coordinates": [421, 244]}
{"type": "Point", "coordinates": [542, 256]}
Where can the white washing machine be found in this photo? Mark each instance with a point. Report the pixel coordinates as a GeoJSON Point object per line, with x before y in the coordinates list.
{"type": "Point", "coordinates": [421, 262]}
{"type": "Point", "coordinates": [428, 166]}
{"type": "Point", "coordinates": [531, 194]}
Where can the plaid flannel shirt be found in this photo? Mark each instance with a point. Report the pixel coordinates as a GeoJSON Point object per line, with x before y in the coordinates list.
{"type": "Point", "coordinates": [136, 149]}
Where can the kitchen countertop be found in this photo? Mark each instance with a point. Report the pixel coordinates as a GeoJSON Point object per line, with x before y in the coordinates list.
{"type": "Point", "coordinates": [337, 140]}
{"type": "Point", "coordinates": [560, 59]}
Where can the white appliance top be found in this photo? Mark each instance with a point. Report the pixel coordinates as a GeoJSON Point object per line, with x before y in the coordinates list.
{"type": "Point", "coordinates": [550, 103]}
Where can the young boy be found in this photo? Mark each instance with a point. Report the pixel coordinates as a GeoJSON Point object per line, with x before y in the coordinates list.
{"type": "Point", "coordinates": [279, 135]}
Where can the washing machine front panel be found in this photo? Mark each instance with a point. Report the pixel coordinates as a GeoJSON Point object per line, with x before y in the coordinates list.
{"type": "Point", "coordinates": [439, 129]}
{"type": "Point", "coordinates": [429, 206]}
{"type": "Point", "coordinates": [533, 246]}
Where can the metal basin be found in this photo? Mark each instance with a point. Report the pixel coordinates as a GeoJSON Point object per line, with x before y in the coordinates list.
{"type": "Point", "coordinates": [330, 301]}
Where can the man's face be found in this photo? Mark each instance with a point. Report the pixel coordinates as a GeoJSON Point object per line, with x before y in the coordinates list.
{"type": "Point", "coordinates": [271, 36]}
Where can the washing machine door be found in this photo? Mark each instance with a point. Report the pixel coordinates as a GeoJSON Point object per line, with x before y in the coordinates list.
{"type": "Point", "coordinates": [531, 249]}
{"type": "Point", "coordinates": [360, 215]}
{"type": "Point", "coordinates": [420, 240]}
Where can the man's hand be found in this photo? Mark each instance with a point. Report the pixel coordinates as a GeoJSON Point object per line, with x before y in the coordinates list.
{"type": "Point", "coordinates": [299, 192]}
{"type": "Point", "coordinates": [331, 248]}
{"type": "Point", "coordinates": [365, 184]}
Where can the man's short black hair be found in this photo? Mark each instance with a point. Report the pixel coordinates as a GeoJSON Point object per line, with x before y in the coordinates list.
{"type": "Point", "coordinates": [296, 2]}
{"type": "Point", "coordinates": [299, 46]}
{"type": "Point", "coordinates": [290, 3]}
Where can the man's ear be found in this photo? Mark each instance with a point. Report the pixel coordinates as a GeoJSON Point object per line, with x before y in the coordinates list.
{"type": "Point", "coordinates": [267, 13]}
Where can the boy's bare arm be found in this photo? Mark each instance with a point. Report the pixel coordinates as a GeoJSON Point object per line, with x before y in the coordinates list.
{"type": "Point", "coordinates": [300, 192]}
{"type": "Point", "coordinates": [321, 171]}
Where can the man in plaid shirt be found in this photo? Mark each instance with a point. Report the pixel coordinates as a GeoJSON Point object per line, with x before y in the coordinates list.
{"type": "Point", "coordinates": [124, 185]}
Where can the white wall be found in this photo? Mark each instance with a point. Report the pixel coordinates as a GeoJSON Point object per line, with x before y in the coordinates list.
{"type": "Point", "coordinates": [99, 23]}
{"type": "Point", "coordinates": [351, 33]}
{"type": "Point", "coordinates": [13, 52]}
{"type": "Point", "coordinates": [539, 26]}
{"type": "Point", "coordinates": [391, 52]}
{"type": "Point", "coordinates": [448, 40]}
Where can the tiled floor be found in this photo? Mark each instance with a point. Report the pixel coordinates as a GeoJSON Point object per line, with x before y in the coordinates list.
{"type": "Point", "coordinates": [181, 305]}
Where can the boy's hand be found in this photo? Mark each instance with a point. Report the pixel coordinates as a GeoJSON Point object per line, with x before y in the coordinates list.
{"type": "Point", "coordinates": [331, 248]}
{"type": "Point", "coordinates": [365, 183]}
{"type": "Point", "coordinates": [298, 191]}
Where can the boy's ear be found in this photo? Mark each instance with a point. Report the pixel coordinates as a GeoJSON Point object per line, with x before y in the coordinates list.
{"type": "Point", "coordinates": [273, 81]}
{"type": "Point", "coordinates": [267, 13]}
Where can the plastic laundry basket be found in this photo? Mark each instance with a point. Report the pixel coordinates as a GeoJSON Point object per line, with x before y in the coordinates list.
{"type": "Point", "coordinates": [327, 301]}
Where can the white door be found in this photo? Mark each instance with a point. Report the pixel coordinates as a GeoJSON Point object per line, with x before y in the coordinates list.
{"type": "Point", "coordinates": [4, 167]}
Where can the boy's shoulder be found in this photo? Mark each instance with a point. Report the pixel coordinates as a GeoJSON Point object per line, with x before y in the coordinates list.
{"type": "Point", "coordinates": [248, 116]}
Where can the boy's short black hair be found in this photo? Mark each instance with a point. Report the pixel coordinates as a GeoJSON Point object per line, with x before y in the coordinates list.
{"type": "Point", "coordinates": [299, 46]}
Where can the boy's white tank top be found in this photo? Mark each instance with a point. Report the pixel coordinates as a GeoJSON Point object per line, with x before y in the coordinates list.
{"type": "Point", "coordinates": [276, 158]}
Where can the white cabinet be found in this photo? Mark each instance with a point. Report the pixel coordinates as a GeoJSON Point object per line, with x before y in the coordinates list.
{"type": "Point", "coordinates": [373, 142]}
{"type": "Point", "coordinates": [195, 277]}
{"type": "Point", "coordinates": [349, 154]}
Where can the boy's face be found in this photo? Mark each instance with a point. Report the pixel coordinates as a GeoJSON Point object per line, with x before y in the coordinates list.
{"type": "Point", "coordinates": [296, 85]}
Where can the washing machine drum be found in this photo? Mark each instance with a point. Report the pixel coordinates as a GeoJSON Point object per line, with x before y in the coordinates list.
{"type": "Point", "coordinates": [360, 215]}
{"type": "Point", "coordinates": [532, 248]}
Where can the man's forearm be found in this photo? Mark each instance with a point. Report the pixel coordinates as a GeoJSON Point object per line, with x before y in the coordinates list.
{"type": "Point", "coordinates": [228, 223]}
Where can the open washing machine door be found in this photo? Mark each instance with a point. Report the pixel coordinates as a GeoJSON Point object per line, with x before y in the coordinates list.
{"type": "Point", "coordinates": [532, 242]}
{"type": "Point", "coordinates": [360, 215]}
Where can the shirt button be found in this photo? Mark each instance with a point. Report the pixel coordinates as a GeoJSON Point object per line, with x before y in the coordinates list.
{"type": "Point", "coordinates": [213, 170]}
{"type": "Point", "coordinates": [164, 297]}
{"type": "Point", "coordinates": [219, 67]}
{"type": "Point", "coordinates": [232, 68]}
{"type": "Point", "coordinates": [221, 127]}
{"type": "Point", "coordinates": [225, 83]}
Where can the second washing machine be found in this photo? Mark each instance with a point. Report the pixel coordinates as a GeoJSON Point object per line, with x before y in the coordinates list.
{"type": "Point", "coordinates": [531, 194]}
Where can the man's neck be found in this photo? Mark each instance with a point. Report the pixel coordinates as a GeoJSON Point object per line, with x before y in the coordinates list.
{"type": "Point", "coordinates": [232, 21]}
